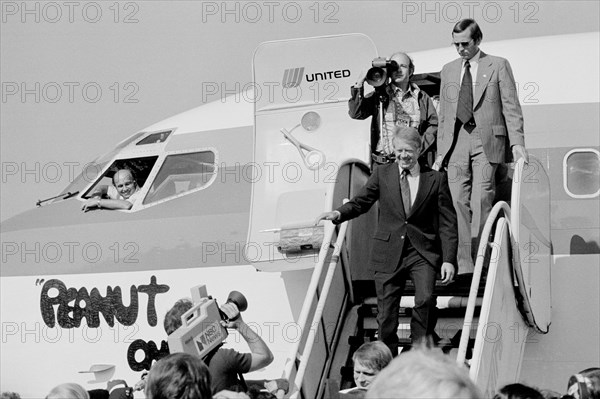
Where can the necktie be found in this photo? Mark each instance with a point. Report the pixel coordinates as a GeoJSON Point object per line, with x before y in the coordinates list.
{"type": "Point", "coordinates": [405, 190]}
{"type": "Point", "coordinates": [464, 110]}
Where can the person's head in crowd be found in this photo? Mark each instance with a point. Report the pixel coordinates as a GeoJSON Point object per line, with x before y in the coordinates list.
{"type": "Point", "coordinates": [254, 393]}
{"type": "Point", "coordinates": [466, 37]}
{"type": "Point", "coordinates": [124, 182]}
{"type": "Point", "coordinates": [585, 384]}
{"type": "Point", "coordinates": [10, 395]}
{"type": "Point", "coordinates": [518, 391]}
{"type": "Point", "coordinates": [401, 76]}
{"type": "Point", "coordinates": [178, 376]}
{"type": "Point", "coordinates": [173, 317]}
{"type": "Point", "coordinates": [407, 143]}
{"type": "Point", "coordinates": [369, 360]}
{"type": "Point", "coordinates": [68, 391]}
{"type": "Point", "coordinates": [423, 373]}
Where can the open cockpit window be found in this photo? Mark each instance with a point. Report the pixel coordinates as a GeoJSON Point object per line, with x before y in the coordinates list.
{"type": "Point", "coordinates": [182, 173]}
{"type": "Point", "coordinates": [141, 168]}
{"type": "Point", "coordinates": [155, 138]}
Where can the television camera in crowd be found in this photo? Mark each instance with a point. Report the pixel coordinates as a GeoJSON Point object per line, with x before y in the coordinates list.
{"type": "Point", "coordinates": [201, 330]}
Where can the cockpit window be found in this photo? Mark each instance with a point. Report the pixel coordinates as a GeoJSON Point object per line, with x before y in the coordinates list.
{"type": "Point", "coordinates": [92, 170]}
{"type": "Point", "coordinates": [154, 138]}
{"type": "Point", "coordinates": [582, 173]}
{"type": "Point", "coordinates": [182, 173]}
{"type": "Point", "coordinates": [140, 167]}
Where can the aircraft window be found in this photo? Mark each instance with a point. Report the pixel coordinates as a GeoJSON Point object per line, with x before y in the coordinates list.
{"type": "Point", "coordinates": [155, 138]}
{"type": "Point", "coordinates": [182, 173]}
{"type": "Point", "coordinates": [89, 174]}
{"type": "Point", "coordinates": [140, 167]}
{"type": "Point", "coordinates": [582, 173]}
{"type": "Point", "coordinates": [92, 170]}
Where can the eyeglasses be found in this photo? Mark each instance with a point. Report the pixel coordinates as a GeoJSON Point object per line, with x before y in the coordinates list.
{"type": "Point", "coordinates": [464, 44]}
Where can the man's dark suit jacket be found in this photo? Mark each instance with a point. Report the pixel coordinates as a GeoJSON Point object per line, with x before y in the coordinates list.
{"type": "Point", "coordinates": [430, 225]}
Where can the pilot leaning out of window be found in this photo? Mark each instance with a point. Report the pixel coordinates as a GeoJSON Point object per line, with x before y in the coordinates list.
{"type": "Point", "coordinates": [127, 192]}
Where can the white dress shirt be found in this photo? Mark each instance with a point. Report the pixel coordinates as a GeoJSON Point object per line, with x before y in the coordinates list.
{"type": "Point", "coordinates": [474, 62]}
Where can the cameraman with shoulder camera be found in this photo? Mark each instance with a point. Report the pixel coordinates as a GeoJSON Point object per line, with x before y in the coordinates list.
{"type": "Point", "coordinates": [401, 103]}
{"type": "Point", "coordinates": [226, 366]}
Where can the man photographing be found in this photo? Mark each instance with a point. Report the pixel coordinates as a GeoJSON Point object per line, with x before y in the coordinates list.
{"type": "Point", "coordinates": [416, 236]}
{"type": "Point", "coordinates": [401, 102]}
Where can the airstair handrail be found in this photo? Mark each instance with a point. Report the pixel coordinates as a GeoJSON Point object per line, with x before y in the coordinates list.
{"type": "Point", "coordinates": [303, 319]}
{"type": "Point", "coordinates": [308, 299]}
{"type": "Point", "coordinates": [483, 243]}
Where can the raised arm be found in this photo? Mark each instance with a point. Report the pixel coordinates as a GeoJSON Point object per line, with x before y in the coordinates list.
{"type": "Point", "coordinates": [261, 354]}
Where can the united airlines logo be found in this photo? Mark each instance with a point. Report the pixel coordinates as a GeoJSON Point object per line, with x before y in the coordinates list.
{"type": "Point", "coordinates": [292, 77]}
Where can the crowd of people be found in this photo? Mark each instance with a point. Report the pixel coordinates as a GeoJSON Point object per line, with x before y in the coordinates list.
{"type": "Point", "coordinates": [433, 175]}
{"type": "Point", "coordinates": [420, 373]}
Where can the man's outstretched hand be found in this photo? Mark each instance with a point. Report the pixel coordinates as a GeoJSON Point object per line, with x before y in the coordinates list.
{"type": "Point", "coordinates": [333, 216]}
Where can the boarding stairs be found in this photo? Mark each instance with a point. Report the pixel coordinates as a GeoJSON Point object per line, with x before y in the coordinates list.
{"type": "Point", "coordinates": [475, 317]}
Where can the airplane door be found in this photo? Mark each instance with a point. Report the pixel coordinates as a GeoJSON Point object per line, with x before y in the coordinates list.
{"type": "Point", "coordinates": [530, 221]}
{"type": "Point", "coordinates": [303, 136]}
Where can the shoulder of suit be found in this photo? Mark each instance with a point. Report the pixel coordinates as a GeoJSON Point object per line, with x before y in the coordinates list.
{"type": "Point", "coordinates": [493, 58]}
{"type": "Point", "coordinates": [430, 172]}
{"type": "Point", "coordinates": [451, 63]}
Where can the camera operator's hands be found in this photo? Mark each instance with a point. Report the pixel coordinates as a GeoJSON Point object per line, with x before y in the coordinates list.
{"type": "Point", "coordinates": [360, 81]}
{"type": "Point", "coordinates": [231, 311]}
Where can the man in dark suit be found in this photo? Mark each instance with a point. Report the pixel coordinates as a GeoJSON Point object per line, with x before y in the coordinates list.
{"type": "Point", "coordinates": [479, 120]}
{"type": "Point", "coordinates": [416, 235]}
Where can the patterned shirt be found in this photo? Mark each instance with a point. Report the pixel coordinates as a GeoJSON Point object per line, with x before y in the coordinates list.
{"type": "Point", "coordinates": [403, 109]}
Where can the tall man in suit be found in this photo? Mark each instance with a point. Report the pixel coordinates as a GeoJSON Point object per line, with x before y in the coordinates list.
{"type": "Point", "coordinates": [480, 117]}
{"type": "Point", "coordinates": [416, 235]}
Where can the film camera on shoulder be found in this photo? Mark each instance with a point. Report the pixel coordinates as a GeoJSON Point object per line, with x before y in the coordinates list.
{"type": "Point", "coordinates": [380, 70]}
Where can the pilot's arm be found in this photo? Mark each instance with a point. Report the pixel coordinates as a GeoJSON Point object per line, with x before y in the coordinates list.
{"type": "Point", "coordinates": [99, 203]}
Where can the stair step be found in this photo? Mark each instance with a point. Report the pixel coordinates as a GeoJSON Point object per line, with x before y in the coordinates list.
{"type": "Point", "coordinates": [461, 286]}
{"type": "Point", "coordinates": [445, 328]}
{"type": "Point", "coordinates": [443, 302]}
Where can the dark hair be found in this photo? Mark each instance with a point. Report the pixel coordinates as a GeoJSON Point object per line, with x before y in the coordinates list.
{"type": "Point", "coordinates": [518, 391]}
{"type": "Point", "coordinates": [255, 393]}
{"type": "Point", "coordinates": [173, 317]}
{"type": "Point", "coordinates": [468, 23]}
{"type": "Point", "coordinates": [178, 376]}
